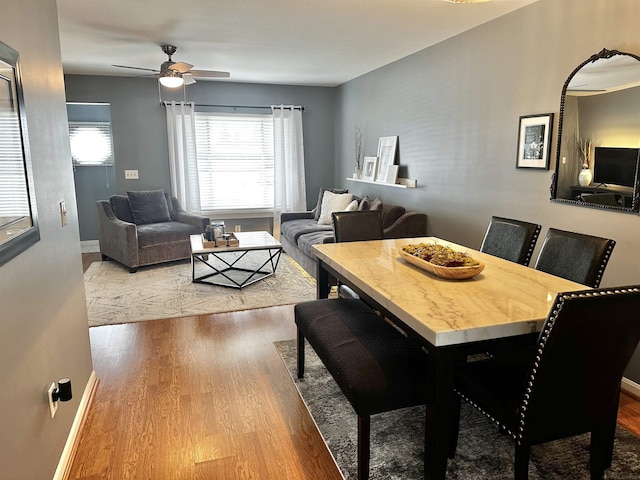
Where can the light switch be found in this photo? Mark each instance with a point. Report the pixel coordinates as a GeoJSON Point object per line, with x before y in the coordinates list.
{"type": "Point", "coordinates": [131, 174]}
{"type": "Point", "coordinates": [63, 213]}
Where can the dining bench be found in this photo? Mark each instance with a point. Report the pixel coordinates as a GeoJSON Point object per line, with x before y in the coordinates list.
{"type": "Point", "coordinates": [377, 367]}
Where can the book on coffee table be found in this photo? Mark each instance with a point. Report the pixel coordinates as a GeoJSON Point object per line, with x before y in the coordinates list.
{"type": "Point", "coordinates": [227, 240]}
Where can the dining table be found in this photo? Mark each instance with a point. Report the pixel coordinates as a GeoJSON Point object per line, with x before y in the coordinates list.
{"type": "Point", "coordinates": [451, 318]}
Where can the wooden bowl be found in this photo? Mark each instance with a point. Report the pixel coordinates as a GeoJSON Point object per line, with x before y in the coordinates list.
{"type": "Point", "coordinates": [451, 273]}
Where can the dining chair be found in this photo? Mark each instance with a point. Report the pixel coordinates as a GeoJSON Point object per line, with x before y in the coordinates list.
{"type": "Point", "coordinates": [510, 239]}
{"type": "Point", "coordinates": [575, 256]}
{"type": "Point", "coordinates": [356, 226]}
{"type": "Point", "coordinates": [570, 384]}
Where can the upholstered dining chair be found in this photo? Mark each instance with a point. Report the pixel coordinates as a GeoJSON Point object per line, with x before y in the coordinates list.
{"type": "Point", "coordinates": [356, 226]}
{"type": "Point", "coordinates": [510, 239]}
{"type": "Point", "coordinates": [575, 256]}
{"type": "Point", "coordinates": [570, 385]}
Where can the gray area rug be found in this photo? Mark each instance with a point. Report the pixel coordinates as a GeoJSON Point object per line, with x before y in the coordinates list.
{"type": "Point", "coordinates": [397, 438]}
{"type": "Point", "coordinates": [163, 291]}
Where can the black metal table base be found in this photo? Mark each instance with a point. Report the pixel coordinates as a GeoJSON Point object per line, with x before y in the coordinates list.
{"type": "Point", "coordinates": [222, 275]}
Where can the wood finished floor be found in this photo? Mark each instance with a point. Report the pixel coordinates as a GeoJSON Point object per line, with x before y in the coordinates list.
{"type": "Point", "coordinates": [206, 397]}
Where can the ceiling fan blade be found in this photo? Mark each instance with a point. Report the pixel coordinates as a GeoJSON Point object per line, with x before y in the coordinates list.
{"type": "Point", "coordinates": [188, 79]}
{"type": "Point", "coordinates": [209, 74]}
{"type": "Point", "coordinates": [182, 67]}
{"type": "Point", "coordinates": [137, 68]}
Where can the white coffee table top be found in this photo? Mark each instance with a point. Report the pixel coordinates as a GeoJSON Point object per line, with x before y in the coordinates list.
{"type": "Point", "coordinates": [247, 241]}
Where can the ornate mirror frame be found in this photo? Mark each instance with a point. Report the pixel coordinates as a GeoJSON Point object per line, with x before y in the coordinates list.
{"type": "Point", "coordinates": [634, 206]}
{"type": "Point", "coordinates": [18, 218]}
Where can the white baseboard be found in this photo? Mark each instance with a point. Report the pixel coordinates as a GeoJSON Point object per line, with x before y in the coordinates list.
{"type": "Point", "coordinates": [88, 246]}
{"type": "Point", "coordinates": [69, 448]}
{"type": "Point", "coordinates": [631, 387]}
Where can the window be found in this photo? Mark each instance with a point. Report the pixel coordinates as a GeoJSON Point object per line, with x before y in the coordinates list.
{"type": "Point", "coordinates": [90, 143]}
{"type": "Point", "coordinates": [235, 162]}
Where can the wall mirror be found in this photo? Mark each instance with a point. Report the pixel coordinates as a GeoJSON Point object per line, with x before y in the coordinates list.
{"type": "Point", "coordinates": [598, 147]}
{"type": "Point", "coordinates": [18, 218]}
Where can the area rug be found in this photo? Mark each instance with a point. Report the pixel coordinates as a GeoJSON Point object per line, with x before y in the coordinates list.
{"type": "Point", "coordinates": [397, 438]}
{"type": "Point", "coordinates": [163, 291]}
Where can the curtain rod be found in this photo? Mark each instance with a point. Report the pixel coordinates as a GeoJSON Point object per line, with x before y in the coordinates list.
{"type": "Point", "coordinates": [249, 106]}
{"type": "Point", "coordinates": [263, 107]}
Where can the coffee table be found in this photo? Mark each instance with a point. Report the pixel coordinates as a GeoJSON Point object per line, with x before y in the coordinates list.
{"type": "Point", "coordinates": [255, 257]}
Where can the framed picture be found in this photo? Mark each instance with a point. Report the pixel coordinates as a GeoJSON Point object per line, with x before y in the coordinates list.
{"type": "Point", "coordinates": [387, 151]}
{"type": "Point", "coordinates": [369, 168]}
{"type": "Point", "coordinates": [391, 175]}
{"type": "Point", "coordinates": [534, 141]}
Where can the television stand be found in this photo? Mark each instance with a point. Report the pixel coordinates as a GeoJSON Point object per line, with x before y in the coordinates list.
{"type": "Point", "coordinates": [622, 196]}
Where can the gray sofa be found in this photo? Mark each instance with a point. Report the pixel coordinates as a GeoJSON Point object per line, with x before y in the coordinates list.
{"type": "Point", "coordinates": [299, 231]}
{"type": "Point", "coordinates": [145, 228]}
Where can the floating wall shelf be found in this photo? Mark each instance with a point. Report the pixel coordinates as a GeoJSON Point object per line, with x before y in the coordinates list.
{"type": "Point", "coordinates": [402, 182]}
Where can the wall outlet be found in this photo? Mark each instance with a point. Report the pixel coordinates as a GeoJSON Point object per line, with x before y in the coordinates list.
{"type": "Point", "coordinates": [238, 228]}
{"type": "Point", "coordinates": [53, 406]}
{"type": "Point", "coordinates": [131, 174]}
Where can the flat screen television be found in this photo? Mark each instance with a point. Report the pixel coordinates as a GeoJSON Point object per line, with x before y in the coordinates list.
{"type": "Point", "coordinates": [615, 166]}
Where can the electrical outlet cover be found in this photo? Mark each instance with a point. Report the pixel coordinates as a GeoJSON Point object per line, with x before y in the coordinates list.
{"type": "Point", "coordinates": [53, 406]}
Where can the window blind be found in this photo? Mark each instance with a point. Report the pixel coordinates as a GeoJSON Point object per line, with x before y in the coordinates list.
{"type": "Point", "coordinates": [91, 143]}
{"type": "Point", "coordinates": [235, 162]}
{"type": "Point", "coordinates": [14, 200]}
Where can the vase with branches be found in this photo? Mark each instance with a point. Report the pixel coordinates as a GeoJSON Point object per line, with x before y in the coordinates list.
{"type": "Point", "coordinates": [358, 151]}
{"type": "Point", "coordinates": [586, 152]}
{"type": "Point", "coordinates": [585, 149]}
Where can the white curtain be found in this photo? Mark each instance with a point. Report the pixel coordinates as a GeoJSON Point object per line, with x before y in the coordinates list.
{"type": "Point", "coordinates": [182, 154]}
{"type": "Point", "coordinates": [289, 180]}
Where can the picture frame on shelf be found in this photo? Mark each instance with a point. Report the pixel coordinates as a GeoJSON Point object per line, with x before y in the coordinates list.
{"type": "Point", "coordinates": [391, 175]}
{"type": "Point", "coordinates": [369, 169]}
{"type": "Point", "coordinates": [534, 141]}
{"type": "Point", "coordinates": [387, 152]}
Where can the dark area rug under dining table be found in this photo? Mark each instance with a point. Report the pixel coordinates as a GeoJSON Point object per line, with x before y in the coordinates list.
{"type": "Point", "coordinates": [397, 438]}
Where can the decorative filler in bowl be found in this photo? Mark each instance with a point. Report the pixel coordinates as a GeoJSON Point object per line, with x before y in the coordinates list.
{"type": "Point", "coordinates": [441, 260]}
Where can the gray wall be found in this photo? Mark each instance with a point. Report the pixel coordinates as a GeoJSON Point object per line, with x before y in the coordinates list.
{"type": "Point", "coordinates": [140, 132]}
{"type": "Point", "coordinates": [455, 107]}
{"type": "Point", "coordinates": [612, 120]}
{"type": "Point", "coordinates": [44, 333]}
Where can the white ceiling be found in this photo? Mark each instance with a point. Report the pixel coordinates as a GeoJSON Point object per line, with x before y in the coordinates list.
{"type": "Point", "coordinates": [300, 42]}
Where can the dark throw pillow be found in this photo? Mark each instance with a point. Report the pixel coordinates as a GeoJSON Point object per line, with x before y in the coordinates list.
{"type": "Point", "coordinates": [365, 203]}
{"type": "Point", "coordinates": [148, 206]}
{"type": "Point", "coordinates": [121, 208]}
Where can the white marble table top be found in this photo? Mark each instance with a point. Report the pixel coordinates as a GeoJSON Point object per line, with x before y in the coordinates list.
{"type": "Point", "coordinates": [246, 241]}
{"type": "Point", "coordinates": [506, 299]}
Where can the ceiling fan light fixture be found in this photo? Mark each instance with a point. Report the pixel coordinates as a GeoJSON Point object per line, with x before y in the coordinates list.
{"type": "Point", "coordinates": [171, 79]}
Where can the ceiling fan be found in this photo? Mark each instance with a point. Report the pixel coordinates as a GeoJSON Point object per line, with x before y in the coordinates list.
{"type": "Point", "coordinates": [175, 74]}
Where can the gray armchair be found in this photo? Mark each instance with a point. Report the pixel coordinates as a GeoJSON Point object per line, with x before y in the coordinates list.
{"type": "Point", "coordinates": [145, 228]}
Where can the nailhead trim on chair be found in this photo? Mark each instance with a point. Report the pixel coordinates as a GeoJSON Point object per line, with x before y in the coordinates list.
{"type": "Point", "coordinates": [605, 260]}
{"type": "Point", "coordinates": [532, 245]}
